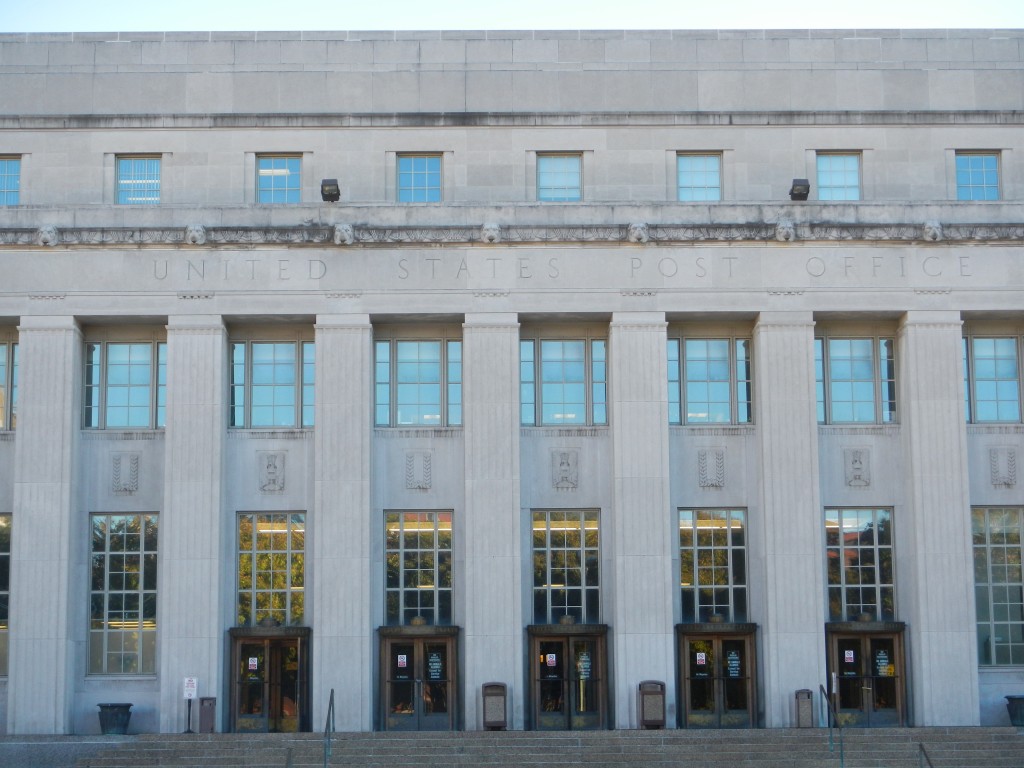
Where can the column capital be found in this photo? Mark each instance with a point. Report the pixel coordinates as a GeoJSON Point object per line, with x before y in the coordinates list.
{"type": "Point", "coordinates": [195, 324]}
{"type": "Point", "coordinates": [29, 323]}
{"type": "Point", "coordinates": [343, 321]}
{"type": "Point", "coordinates": [937, 319]}
{"type": "Point", "coordinates": [784, 319]}
{"type": "Point", "coordinates": [490, 320]}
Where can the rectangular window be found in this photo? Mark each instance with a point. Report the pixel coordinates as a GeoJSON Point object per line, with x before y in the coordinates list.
{"type": "Point", "coordinates": [271, 568]}
{"type": "Point", "coordinates": [125, 385]}
{"type": "Point", "coordinates": [278, 179]}
{"type": "Point", "coordinates": [991, 379]}
{"type": "Point", "coordinates": [418, 567]}
{"type": "Point", "coordinates": [138, 180]}
{"type": "Point", "coordinates": [419, 178]}
{"type": "Point", "coordinates": [272, 384]}
{"type": "Point", "coordinates": [858, 550]}
{"type": "Point", "coordinates": [560, 178]}
{"type": "Point", "coordinates": [977, 176]}
{"type": "Point", "coordinates": [5, 589]}
{"type": "Point", "coordinates": [713, 564]}
{"type": "Point", "coordinates": [10, 180]}
{"type": "Point", "coordinates": [122, 626]}
{"type": "Point", "coordinates": [710, 381]}
{"type": "Point", "coordinates": [838, 175]}
{"type": "Point", "coordinates": [855, 380]}
{"type": "Point", "coordinates": [418, 383]}
{"type": "Point", "coordinates": [563, 381]}
{"type": "Point", "coordinates": [699, 177]}
{"type": "Point", "coordinates": [565, 566]}
{"type": "Point", "coordinates": [999, 584]}
{"type": "Point", "coordinates": [8, 386]}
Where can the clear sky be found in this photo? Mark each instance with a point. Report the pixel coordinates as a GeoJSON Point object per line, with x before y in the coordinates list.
{"type": "Point", "coordinates": [219, 15]}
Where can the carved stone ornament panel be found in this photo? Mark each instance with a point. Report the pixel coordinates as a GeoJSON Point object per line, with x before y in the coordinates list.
{"type": "Point", "coordinates": [271, 465]}
{"type": "Point", "coordinates": [565, 469]}
{"type": "Point", "coordinates": [711, 467]}
{"type": "Point", "coordinates": [1003, 466]}
{"type": "Point", "coordinates": [419, 470]}
{"type": "Point", "coordinates": [857, 464]}
{"type": "Point", "coordinates": [124, 473]}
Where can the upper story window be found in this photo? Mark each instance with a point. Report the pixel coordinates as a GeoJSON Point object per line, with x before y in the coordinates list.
{"type": "Point", "coordinates": [699, 176]}
{"type": "Point", "coordinates": [998, 584]}
{"type": "Point", "coordinates": [709, 381]}
{"type": "Point", "coordinates": [138, 180]}
{"type": "Point", "coordinates": [419, 178]}
{"type": "Point", "coordinates": [563, 382]}
{"type": "Point", "coordinates": [417, 382]}
{"type": "Point", "coordinates": [858, 548]}
{"type": "Point", "coordinates": [5, 588]}
{"type": "Point", "coordinates": [566, 567]}
{"type": "Point", "coordinates": [560, 177]}
{"type": "Point", "coordinates": [8, 385]}
{"type": "Point", "coordinates": [124, 385]}
{"type": "Point", "coordinates": [122, 624]}
{"type": "Point", "coordinates": [10, 180]}
{"type": "Point", "coordinates": [713, 564]}
{"type": "Point", "coordinates": [855, 380]}
{"type": "Point", "coordinates": [272, 384]}
{"type": "Point", "coordinates": [839, 175]}
{"type": "Point", "coordinates": [271, 568]}
{"type": "Point", "coordinates": [418, 567]}
{"type": "Point", "coordinates": [977, 176]}
{"type": "Point", "coordinates": [278, 179]}
{"type": "Point", "coordinates": [991, 379]}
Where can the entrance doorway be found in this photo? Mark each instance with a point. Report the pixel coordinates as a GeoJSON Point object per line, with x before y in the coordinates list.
{"type": "Point", "coordinates": [418, 668]}
{"type": "Point", "coordinates": [719, 676]}
{"type": "Point", "coordinates": [867, 673]}
{"type": "Point", "coordinates": [569, 690]}
{"type": "Point", "coordinates": [270, 680]}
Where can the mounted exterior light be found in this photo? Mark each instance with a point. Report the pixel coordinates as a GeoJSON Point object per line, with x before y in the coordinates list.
{"type": "Point", "coordinates": [330, 191]}
{"type": "Point", "coordinates": [800, 190]}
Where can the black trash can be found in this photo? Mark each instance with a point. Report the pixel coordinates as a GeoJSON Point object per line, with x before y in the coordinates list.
{"type": "Point", "coordinates": [114, 718]}
{"type": "Point", "coordinates": [1015, 708]}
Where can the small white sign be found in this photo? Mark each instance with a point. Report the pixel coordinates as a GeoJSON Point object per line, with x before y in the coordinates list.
{"type": "Point", "coordinates": [254, 663]}
{"type": "Point", "coordinates": [848, 657]}
{"type": "Point", "coordinates": [702, 658]}
{"type": "Point", "coordinates": [403, 660]}
{"type": "Point", "coordinates": [191, 687]}
{"type": "Point", "coordinates": [552, 660]}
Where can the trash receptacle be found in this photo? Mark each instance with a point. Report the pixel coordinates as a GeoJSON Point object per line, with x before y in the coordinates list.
{"type": "Point", "coordinates": [495, 706]}
{"type": "Point", "coordinates": [651, 704]}
{"type": "Point", "coordinates": [114, 718]}
{"type": "Point", "coordinates": [804, 709]}
{"type": "Point", "coordinates": [207, 714]}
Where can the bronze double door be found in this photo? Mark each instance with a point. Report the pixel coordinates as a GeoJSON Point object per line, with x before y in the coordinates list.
{"type": "Point", "coordinates": [269, 684]}
{"type": "Point", "coordinates": [718, 676]}
{"type": "Point", "coordinates": [419, 687]}
{"type": "Point", "coordinates": [867, 678]}
{"type": "Point", "coordinates": [569, 690]}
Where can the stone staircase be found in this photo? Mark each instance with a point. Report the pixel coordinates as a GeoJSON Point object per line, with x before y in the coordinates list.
{"type": "Point", "coordinates": [775, 748]}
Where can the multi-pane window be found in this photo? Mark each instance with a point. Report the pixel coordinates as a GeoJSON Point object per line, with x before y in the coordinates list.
{"type": "Point", "coordinates": [709, 381]}
{"type": "Point", "coordinates": [977, 176]}
{"type": "Point", "coordinates": [418, 567]}
{"type": "Point", "coordinates": [991, 379]}
{"type": "Point", "coordinates": [565, 566]}
{"type": "Point", "coordinates": [272, 383]}
{"type": "Point", "coordinates": [10, 180]}
{"type": "Point", "coordinates": [124, 385]}
{"type": "Point", "coordinates": [698, 177]}
{"type": "Point", "coordinates": [560, 178]}
{"type": "Point", "coordinates": [838, 175]}
{"type": "Point", "coordinates": [858, 550]}
{"type": "Point", "coordinates": [271, 568]}
{"type": "Point", "coordinates": [563, 381]}
{"type": "Point", "coordinates": [713, 564]}
{"type": "Point", "coordinates": [122, 624]}
{"type": "Point", "coordinates": [8, 386]}
{"type": "Point", "coordinates": [999, 584]}
{"type": "Point", "coordinates": [5, 588]}
{"type": "Point", "coordinates": [418, 383]}
{"type": "Point", "coordinates": [419, 178]}
{"type": "Point", "coordinates": [138, 180]}
{"type": "Point", "coordinates": [278, 179]}
{"type": "Point", "coordinates": [855, 380]}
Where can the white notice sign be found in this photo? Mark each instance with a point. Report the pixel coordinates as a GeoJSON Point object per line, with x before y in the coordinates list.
{"type": "Point", "coordinates": [191, 687]}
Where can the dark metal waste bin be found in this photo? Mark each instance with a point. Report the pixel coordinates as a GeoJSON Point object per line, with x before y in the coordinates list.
{"type": "Point", "coordinates": [114, 718]}
{"type": "Point", "coordinates": [207, 714]}
{"type": "Point", "coordinates": [804, 709]}
{"type": "Point", "coordinates": [651, 704]}
{"type": "Point", "coordinates": [495, 706]}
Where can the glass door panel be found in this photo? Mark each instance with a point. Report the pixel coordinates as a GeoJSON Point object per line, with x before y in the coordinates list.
{"type": "Point", "coordinates": [867, 679]}
{"type": "Point", "coordinates": [568, 689]}
{"type": "Point", "coordinates": [586, 704]}
{"type": "Point", "coordinates": [418, 687]}
{"type": "Point", "coordinates": [885, 700]}
{"type": "Point", "coordinates": [718, 680]}
{"type": "Point", "coordinates": [252, 698]}
{"type": "Point", "coordinates": [736, 699]}
{"type": "Point", "coordinates": [551, 713]}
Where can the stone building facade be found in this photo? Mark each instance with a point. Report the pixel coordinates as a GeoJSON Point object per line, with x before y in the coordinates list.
{"type": "Point", "coordinates": [567, 385]}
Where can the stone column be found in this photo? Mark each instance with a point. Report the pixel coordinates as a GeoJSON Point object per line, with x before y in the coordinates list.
{"type": "Point", "coordinates": [637, 529]}
{"type": "Point", "coordinates": [492, 642]}
{"type": "Point", "coordinates": [339, 584]}
{"type": "Point", "coordinates": [47, 528]}
{"type": "Point", "coordinates": [935, 572]}
{"type": "Point", "coordinates": [790, 520]}
{"type": "Point", "coordinates": [194, 598]}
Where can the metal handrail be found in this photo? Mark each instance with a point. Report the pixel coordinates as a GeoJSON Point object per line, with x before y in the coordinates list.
{"type": "Point", "coordinates": [922, 757]}
{"type": "Point", "coordinates": [329, 729]}
{"type": "Point", "coordinates": [833, 717]}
